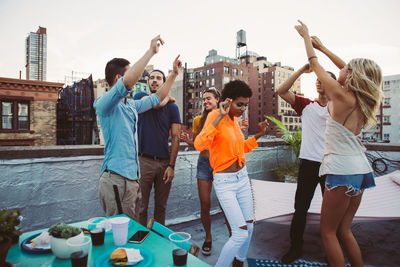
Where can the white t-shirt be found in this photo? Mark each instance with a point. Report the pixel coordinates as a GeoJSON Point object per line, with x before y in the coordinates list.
{"type": "Point", "coordinates": [313, 117]}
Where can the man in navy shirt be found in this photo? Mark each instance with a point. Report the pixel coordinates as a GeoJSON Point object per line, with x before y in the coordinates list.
{"type": "Point", "coordinates": [156, 161]}
{"type": "Point", "coordinates": [118, 120]}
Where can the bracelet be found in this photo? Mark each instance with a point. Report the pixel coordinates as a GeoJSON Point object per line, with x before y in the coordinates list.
{"type": "Point", "coordinates": [172, 166]}
{"type": "Point", "coordinates": [312, 57]}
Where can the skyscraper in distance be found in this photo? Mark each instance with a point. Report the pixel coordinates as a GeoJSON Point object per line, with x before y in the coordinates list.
{"type": "Point", "coordinates": [36, 55]}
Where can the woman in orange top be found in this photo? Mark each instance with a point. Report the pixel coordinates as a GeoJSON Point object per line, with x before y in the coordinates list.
{"type": "Point", "coordinates": [223, 137]}
{"type": "Point", "coordinates": [211, 99]}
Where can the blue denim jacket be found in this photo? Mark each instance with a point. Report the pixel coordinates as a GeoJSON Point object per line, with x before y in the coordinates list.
{"type": "Point", "coordinates": [119, 123]}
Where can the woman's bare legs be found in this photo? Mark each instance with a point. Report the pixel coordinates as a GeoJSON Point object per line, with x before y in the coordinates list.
{"type": "Point", "coordinates": [204, 188]}
{"type": "Point", "coordinates": [345, 235]}
{"type": "Point", "coordinates": [334, 207]}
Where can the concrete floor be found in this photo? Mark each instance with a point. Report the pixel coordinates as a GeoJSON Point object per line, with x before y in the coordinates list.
{"type": "Point", "coordinates": [379, 241]}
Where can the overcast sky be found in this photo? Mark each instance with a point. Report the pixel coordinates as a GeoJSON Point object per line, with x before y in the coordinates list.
{"type": "Point", "coordinates": [83, 35]}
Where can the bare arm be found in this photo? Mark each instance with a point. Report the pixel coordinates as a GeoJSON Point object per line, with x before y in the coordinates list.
{"type": "Point", "coordinates": [283, 90]}
{"type": "Point", "coordinates": [333, 89]}
{"type": "Point", "coordinates": [317, 44]}
{"type": "Point", "coordinates": [164, 90]}
{"type": "Point", "coordinates": [133, 74]}
{"type": "Point", "coordinates": [169, 172]}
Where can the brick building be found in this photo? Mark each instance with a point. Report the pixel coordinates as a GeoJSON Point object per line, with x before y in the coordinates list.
{"type": "Point", "coordinates": [215, 74]}
{"type": "Point", "coordinates": [28, 111]}
{"type": "Point", "coordinates": [268, 77]}
{"type": "Point", "coordinates": [262, 76]}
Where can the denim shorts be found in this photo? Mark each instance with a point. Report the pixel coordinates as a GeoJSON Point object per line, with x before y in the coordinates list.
{"type": "Point", "coordinates": [204, 170]}
{"type": "Point", "coordinates": [355, 183]}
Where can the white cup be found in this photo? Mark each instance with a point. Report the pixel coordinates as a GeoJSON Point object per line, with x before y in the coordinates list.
{"type": "Point", "coordinates": [120, 230]}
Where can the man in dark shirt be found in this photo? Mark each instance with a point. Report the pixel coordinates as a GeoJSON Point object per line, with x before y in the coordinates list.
{"type": "Point", "coordinates": [156, 162]}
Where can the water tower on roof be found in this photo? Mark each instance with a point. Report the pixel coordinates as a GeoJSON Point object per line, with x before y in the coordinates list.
{"type": "Point", "coordinates": [240, 43]}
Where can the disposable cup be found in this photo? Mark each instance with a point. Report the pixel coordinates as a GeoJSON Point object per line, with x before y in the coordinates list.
{"type": "Point", "coordinates": [120, 230]}
{"type": "Point", "coordinates": [79, 249]}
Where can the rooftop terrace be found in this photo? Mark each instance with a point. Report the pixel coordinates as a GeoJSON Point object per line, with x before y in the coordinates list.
{"type": "Point", "coordinates": [49, 185]}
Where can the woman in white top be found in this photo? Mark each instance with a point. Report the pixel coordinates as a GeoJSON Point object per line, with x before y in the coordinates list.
{"type": "Point", "coordinates": [354, 101]}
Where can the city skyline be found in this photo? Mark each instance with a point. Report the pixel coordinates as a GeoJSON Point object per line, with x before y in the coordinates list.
{"type": "Point", "coordinates": [82, 37]}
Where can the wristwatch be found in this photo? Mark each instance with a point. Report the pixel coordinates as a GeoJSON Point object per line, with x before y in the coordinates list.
{"type": "Point", "coordinates": [172, 166]}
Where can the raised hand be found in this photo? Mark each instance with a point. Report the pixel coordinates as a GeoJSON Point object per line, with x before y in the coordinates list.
{"type": "Point", "coordinates": [262, 126]}
{"type": "Point", "coordinates": [302, 29]}
{"type": "Point", "coordinates": [177, 65]}
{"type": "Point", "coordinates": [316, 43]}
{"type": "Point", "coordinates": [155, 44]}
{"type": "Point", "coordinates": [306, 68]}
{"type": "Point", "coordinates": [224, 107]}
{"type": "Point", "coordinates": [184, 136]}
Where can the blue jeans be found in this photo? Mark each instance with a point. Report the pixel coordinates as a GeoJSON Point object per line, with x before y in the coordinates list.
{"type": "Point", "coordinates": [234, 194]}
{"type": "Point", "coordinates": [355, 183]}
{"type": "Point", "coordinates": [204, 169]}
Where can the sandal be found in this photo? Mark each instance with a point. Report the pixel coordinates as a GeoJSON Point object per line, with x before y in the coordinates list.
{"type": "Point", "coordinates": [206, 248]}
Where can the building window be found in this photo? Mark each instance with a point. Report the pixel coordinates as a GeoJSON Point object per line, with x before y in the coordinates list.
{"type": "Point", "coordinates": [226, 70]}
{"type": "Point", "coordinates": [7, 115]}
{"type": "Point", "coordinates": [290, 119]}
{"type": "Point", "coordinates": [235, 72]}
{"type": "Point", "coordinates": [386, 119]}
{"type": "Point", "coordinates": [208, 72]}
{"type": "Point", "coordinates": [259, 90]}
{"type": "Point", "coordinates": [279, 73]}
{"type": "Point", "coordinates": [212, 82]}
{"type": "Point", "coordinates": [200, 83]}
{"type": "Point", "coordinates": [386, 102]}
{"type": "Point", "coordinates": [241, 73]}
{"type": "Point", "coordinates": [207, 83]}
{"type": "Point", "coordinates": [14, 115]}
{"type": "Point", "coordinates": [225, 80]}
{"type": "Point", "coordinates": [272, 81]}
{"type": "Point", "coordinates": [285, 119]}
{"type": "Point", "coordinates": [386, 136]}
{"type": "Point", "coordinates": [212, 71]}
{"type": "Point", "coordinates": [282, 104]}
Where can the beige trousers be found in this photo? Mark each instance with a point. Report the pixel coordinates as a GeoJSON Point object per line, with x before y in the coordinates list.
{"type": "Point", "coordinates": [129, 194]}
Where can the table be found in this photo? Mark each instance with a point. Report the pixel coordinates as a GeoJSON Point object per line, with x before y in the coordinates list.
{"type": "Point", "coordinates": [160, 248]}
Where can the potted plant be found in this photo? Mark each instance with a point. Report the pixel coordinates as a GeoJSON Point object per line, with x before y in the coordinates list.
{"type": "Point", "coordinates": [59, 233]}
{"type": "Point", "coordinates": [289, 172]}
{"type": "Point", "coordinates": [9, 219]}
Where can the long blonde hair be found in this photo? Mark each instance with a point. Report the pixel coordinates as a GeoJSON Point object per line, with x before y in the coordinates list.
{"type": "Point", "coordinates": [365, 80]}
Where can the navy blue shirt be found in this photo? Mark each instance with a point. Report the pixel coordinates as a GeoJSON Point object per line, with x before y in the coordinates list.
{"type": "Point", "coordinates": [154, 126]}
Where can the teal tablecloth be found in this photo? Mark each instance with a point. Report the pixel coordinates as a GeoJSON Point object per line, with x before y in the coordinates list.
{"type": "Point", "coordinates": [160, 248]}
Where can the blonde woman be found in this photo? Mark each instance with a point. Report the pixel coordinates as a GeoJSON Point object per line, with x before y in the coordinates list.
{"type": "Point", "coordinates": [354, 101]}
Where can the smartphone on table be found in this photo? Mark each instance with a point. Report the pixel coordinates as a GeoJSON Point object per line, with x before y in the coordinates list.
{"type": "Point", "coordinates": [139, 236]}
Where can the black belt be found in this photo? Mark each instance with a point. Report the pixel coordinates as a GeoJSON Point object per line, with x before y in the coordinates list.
{"type": "Point", "coordinates": [151, 157]}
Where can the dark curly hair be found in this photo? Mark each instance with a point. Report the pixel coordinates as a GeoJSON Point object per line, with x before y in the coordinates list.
{"type": "Point", "coordinates": [235, 89]}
